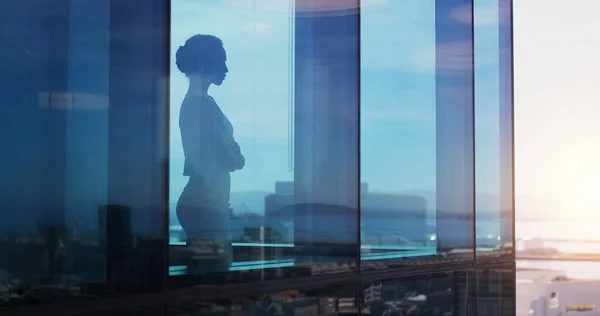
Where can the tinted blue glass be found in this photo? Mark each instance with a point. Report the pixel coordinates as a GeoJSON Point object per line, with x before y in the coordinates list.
{"type": "Point", "coordinates": [83, 117]}
{"type": "Point", "coordinates": [137, 153]}
{"type": "Point", "coordinates": [264, 137]}
{"type": "Point", "coordinates": [416, 129]}
{"type": "Point", "coordinates": [398, 141]}
{"type": "Point", "coordinates": [454, 127]}
{"type": "Point", "coordinates": [496, 291]}
{"type": "Point", "coordinates": [493, 124]}
{"type": "Point", "coordinates": [507, 154]}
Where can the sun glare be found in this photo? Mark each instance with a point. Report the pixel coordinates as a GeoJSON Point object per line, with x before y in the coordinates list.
{"type": "Point", "coordinates": [578, 180]}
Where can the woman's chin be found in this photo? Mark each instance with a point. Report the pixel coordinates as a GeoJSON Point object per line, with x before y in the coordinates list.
{"type": "Point", "coordinates": [219, 82]}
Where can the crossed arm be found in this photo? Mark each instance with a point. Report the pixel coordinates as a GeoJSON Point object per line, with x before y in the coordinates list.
{"type": "Point", "coordinates": [202, 137]}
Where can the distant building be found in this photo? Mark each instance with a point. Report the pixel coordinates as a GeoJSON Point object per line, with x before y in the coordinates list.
{"type": "Point", "coordinates": [386, 219]}
{"type": "Point", "coordinates": [278, 214]}
{"type": "Point", "coordinates": [373, 293]}
{"type": "Point", "coordinates": [117, 241]}
{"type": "Point", "coordinates": [566, 298]}
{"type": "Point", "coordinates": [529, 244]}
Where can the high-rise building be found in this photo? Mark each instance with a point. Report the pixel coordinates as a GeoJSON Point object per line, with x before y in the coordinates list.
{"type": "Point", "coordinates": [116, 242]}
{"type": "Point", "coordinates": [373, 293]}
{"type": "Point", "coordinates": [279, 214]}
{"type": "Point", "coordinates": [309, 157]}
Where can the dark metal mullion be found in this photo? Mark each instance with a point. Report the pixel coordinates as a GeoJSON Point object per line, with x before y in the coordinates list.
{"type": "Point", "coordinates": [473, 134]}
{"type": "Point", "coordinates": [358, 283]}
{"type": "Point", "coordinates": [473, 164]}
{"type": "Point", "coordinates": [166, 150]}
{"type": "Point", "coordinates": [358, 138]}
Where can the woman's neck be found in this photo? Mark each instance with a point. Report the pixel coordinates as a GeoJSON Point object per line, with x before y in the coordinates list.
{"type": "Point", "coordinates": [198, 85]}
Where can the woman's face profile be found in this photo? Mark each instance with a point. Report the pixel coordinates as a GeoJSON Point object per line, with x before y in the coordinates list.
{"type": "Point", "coordinates": [217, 70]}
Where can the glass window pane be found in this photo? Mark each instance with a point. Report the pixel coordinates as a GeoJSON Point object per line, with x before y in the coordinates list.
{"type": "Point", "coordinates": [82, 188]}
{"type": "Point", "coordinates": [496, 291]}
{"type": "Point", "coordinates": [507, 181]}
{"type": "Point", "coordinates": [147, 154]}
{"type": "Point", "coordinates": [338, 299]}
{"type": "Point", "coordinates": [416, 130]}
{"type": "Point", "coordinates": [263, 138]}
{"type": "Point", "coordinates": [420, 295]}
{"type": "Point", "coordinates": [493, 126]}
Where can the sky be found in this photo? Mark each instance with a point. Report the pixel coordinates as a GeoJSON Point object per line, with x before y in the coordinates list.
{"type": "Point", "coordinates": [556, 99]}
{"type": "Point", "coordinates": [398, 128]}
{"type": "Point", "coordinates": [557, 105]}
{"type": "Point", "coordinates": [555, 71]}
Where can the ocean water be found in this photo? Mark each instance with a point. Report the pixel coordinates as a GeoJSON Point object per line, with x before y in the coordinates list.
{"type": "Point", "coordinates": [574, 236]}
{"type": "Point", "coordinates": [583, 270]}
{"type": "Point", "coordinates": [571, 230]}
{"type": "Point", "coordinates": [566, 236]}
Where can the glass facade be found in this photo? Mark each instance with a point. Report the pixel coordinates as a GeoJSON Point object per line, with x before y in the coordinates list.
{"type": "Point", "coordinates": [493, 126]}
{"type": "Point", "coordinates": [233, 157]}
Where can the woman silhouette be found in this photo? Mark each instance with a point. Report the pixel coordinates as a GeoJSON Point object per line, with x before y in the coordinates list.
{"type": "Point", "coordinates": [211, 153]}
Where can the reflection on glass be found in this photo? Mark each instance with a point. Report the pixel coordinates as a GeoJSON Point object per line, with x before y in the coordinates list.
{"type": "Point", "coordinates": [88, 218]}
{"type": "Point", "coordinates": [398, 196]}
{"type": "Point", "coordinates": [293, 99]}
{"type": "Point", "coordinates": [317, 300]}
{"type": "Point", "coordinates": [255, 99]}
{"type": "Point", "coordinates": [421, 295]}
{"type": "Point", "coordinates": [496, 291]}
{"type": "Point", "coordinates": [82, 200]}
{"type": "Point", "coordinates": [493, 125]}
{"type": "Point", "coordinates": [211, 153]}
{"type": "Point", "coordinates": [507, 180]}
{"type": "Point", "coordinates": [416, 144]}
{"type": "Point", "coordinates": [487, 112]}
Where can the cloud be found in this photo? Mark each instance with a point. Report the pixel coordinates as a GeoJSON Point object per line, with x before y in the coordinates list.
{"type": "Point", "coordinates": [257, 27]}
{"type": "Point", "coordinates": [463, 14]}
{"type": "Point", "coordinates": [456, 55]}
{"type": "Point", "coordinates": [80, 101]}
{"type": "Point", "coordinates": [450, 56]}
{"type": "Point", "coordinates": [487, 13]}
{"type": "Point", "coordinates": [398, 114]}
